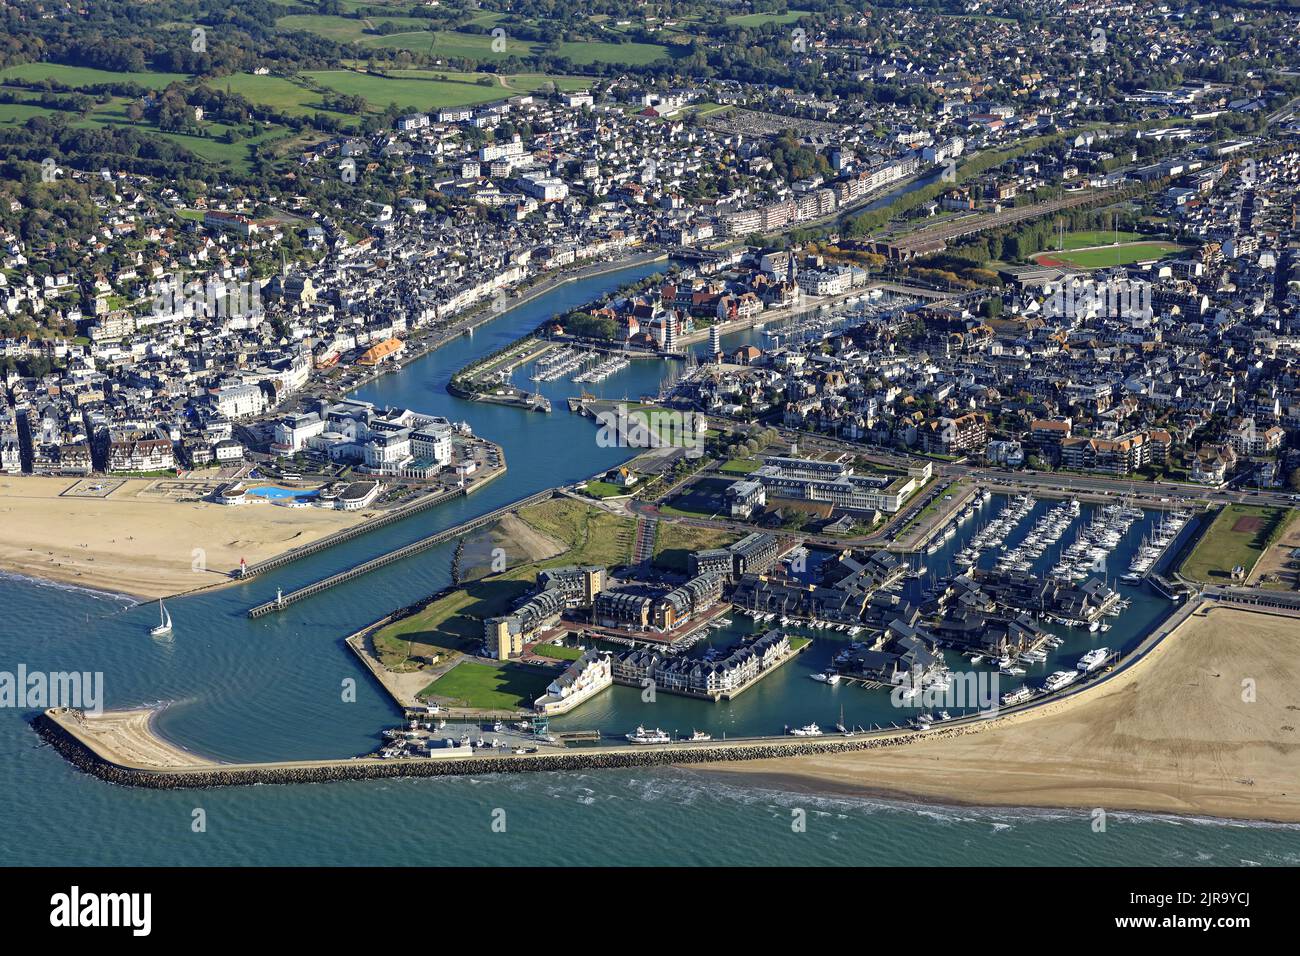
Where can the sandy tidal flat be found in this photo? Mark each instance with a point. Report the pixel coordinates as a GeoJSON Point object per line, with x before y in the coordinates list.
{"type": "Point", "coordinates": [143, 545]}
{"type": "Point", "coordinates": [1173, 734]}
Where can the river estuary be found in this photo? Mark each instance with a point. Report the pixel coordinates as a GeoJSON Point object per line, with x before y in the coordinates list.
{"type": "Point", "coordinates": [270, 689]}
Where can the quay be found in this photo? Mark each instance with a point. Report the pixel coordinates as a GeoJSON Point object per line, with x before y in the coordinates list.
{"type": "Point", "coordinates": [282, 601]}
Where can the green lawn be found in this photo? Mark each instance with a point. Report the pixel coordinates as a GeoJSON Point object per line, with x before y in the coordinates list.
{"type": "Point", "coordinates": [758, 19]}
{"type": "Point", "coordinates": [559, 653]}
{"type": "Point", "coordinates": [489, 687]}
{"type": "Point", "coordinates": [606, 489]}
{"type": "Point", "coordinates": [76, 76]}
{"type": "Point", "coordinates": [1237, 537]}
{"type": "Point", "coordinates": [675, 542]}
{"type": "Point", "coordinates": [741, 466]}
{"type": "Point", "coordinates": [1084, 238]}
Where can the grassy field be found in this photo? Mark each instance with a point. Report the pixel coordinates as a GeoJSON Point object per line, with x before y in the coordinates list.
{"type": "Point", "coordinates": [557, 652]}
{"type": "Point", "coordinates": [592, 535]}
{"type": "Point", "coordinates": [77, 76]}
{"type": "Point", "coordinates": [415, 37]}
{"type": "Point", "coordinates": [1123, 254]}
{"type": "Point", "coordinates": [758, 19]}
{"type": "Point", "coordinates": [1086, 238]}
{"type": "Point", "coordinates": [490, 687]}
{"type": "Point", "coordinates": [1237, 537]}
{"type": "Point", "coordinates": [454, 622]}
{"type": "Point", "coordinates": [459, 89]}
{"type": "Point", "coordinates": [740, 466]}
{"type": "Point", "coordinates": [606, 489]}
{"type": "Point", "coordinates": [675, 542]}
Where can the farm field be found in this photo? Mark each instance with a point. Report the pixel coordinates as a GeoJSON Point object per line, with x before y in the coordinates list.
{"type": "Point", "coordinates": [758, 19]}
{"type": "Point", "coordinates": [78, 76]}
{"type": "Point", "coordinates": [415, 36]}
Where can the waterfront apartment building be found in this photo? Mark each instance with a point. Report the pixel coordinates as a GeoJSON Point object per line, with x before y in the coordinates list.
{"type": "Point", "coordinates": [506, 636]}
{"type": "Point", "coordinates": [558, 590]}
{"type": "Point", "coordinates": [583, 679]}
{"type": "Point", "coordinates": [682, 603]}
{"type": "Point", "coordinates": [579, 585]}
{"type": "Point", "coordinates": [694, 677]}
{"type": "Point", "coordinates": [625, 610]}
{"type": "Point", "coordinates": [755, 553]}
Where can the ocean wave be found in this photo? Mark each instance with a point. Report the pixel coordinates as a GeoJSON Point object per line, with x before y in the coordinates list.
{"type": "Point", "coordinates": [99, 593]}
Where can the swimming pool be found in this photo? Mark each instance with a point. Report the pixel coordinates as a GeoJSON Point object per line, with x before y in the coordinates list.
{"type": "Point", "coordinates": [273, 493]}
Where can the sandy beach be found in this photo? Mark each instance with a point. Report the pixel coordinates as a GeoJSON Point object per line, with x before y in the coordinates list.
{"type": "Point", "coordinates": [139, 541]}
{"type": "Point", "coordinates": [127, 738]}
{"type": "Point", "coordinates": [1170, 735]}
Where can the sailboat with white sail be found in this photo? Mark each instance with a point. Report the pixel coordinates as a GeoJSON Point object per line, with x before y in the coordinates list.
{"type": "Point", "coordinates": [164, 621]}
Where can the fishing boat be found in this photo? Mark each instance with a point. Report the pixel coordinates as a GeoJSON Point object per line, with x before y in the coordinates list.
{"type": "Point", "coordinates": [807, 730]}
{"type": "Point", "coordinates": [700, 735]}
{"type": "Point", "coordinates": [164, 622]}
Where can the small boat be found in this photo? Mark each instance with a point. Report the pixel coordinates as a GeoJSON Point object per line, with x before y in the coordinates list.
{"type": "Point", "coordinates": [1060, 679]}
{"type": "Point", "coordinates": [164, 622]}
{"type": "Point", "coordinates": [808, 730]}
{"type": "Point", "coordinates": [819, 676]}
{"type": "Point", "coordinates": [643, 736]}
{"type": "Point", "coordinates": [1090, 661]}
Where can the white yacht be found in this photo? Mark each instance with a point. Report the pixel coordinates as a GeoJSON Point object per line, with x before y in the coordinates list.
{"type": "Point", "coordinates": [1090, 661]}
{"type": "Point", "coordinates": [808, 730]}
{"type": "Point", "coordinates": [1017, 696]}
{"type": "Point", "coordinates": [643, 736]}
{"type": "Point", "coordinates": [1060, 679]}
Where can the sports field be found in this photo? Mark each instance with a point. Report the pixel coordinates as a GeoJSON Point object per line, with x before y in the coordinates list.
{"type": "Point", "coordinates": [1237, 538]}
{"type": "Point", "coordinates": [1098, 257]}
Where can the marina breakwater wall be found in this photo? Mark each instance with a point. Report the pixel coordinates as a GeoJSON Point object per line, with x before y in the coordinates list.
{"type": "Point", "coordinates": [80, 755]}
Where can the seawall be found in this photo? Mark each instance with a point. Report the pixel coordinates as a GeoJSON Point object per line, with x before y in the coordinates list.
{"type": "Point", "coordinates": [80, 755]}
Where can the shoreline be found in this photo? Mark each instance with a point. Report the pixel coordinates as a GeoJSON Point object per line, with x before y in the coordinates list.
{"type": "Point", "coordinates": [943, 767]}
{"type": "Point", "coordinates": [1167, 735]}
{"type": "Point", "coordinates": [141, 582]}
